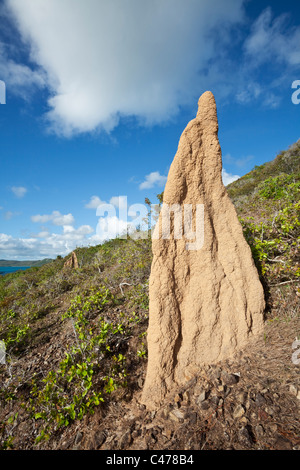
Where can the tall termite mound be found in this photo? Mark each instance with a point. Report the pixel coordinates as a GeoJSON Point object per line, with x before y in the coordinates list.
{"type": "Point", "coordinates": [206, 299]}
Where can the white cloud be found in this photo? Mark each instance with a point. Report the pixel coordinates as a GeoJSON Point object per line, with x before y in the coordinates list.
{"type": "Point", "coordinates": [153, 179]}
{"type": "Point", "coordinates": [94, 202]}
{"type": "Point", "coordinates": [250, 91]}
{"type": "Point", "coordinates": [45, 244]}
{"type": "Point", "coordinates": [120, 202]}
{"type": "Point", "coordinates": [228, 177]}
{"type": "Point", "coordinates": [56, 218]}
{"type": "Point", "coordinates": [269, 58]}
{"type": "Point", "coordinates": [70, 232]}
{"type": "Point", "coordinates": [19, 191]}
{"type": "Point", "coordinates": [273, 39]}
{"type": "Point", "coordinates": [42, 234]}
{"type": "Point", "coordinates": [120, 58]}
{"type": "Point", "coordinates": [19, 78]}
{"type": "Point", "coordinates": [41, 218]}
{"type": "Point", "coordinates": [59, 219]}
{"type": "Point", "coordinates": [110, 227]}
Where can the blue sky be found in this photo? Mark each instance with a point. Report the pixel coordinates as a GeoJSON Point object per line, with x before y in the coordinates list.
{"type": "Point", "coordinates": [98, 93]}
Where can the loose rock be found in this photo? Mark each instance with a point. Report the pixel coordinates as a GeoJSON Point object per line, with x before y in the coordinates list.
{"type": "Point", "coordinates": [238, 412]}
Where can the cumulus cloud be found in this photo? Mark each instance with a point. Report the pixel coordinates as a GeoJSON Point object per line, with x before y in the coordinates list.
{"type": "Point", "coordinates": [44, 244]}
{"type": "Point", "coordinates": [110, 227]}
{"type": "Point", "coordinates": [19, 191]}
{"type": "Point", "coordinates": [120, 202]}
{"type": "Point", "coordinates": [94, 202]}
{"type": "Point", "coordinates": [132, 58]}
{"type": "Point", "coordinates": [228, 177]}
{"type": "Point", "coordinates": [153, 179]}
{"type": "Point", "coordinates": [273, 39]}
{"type": "Point", "coordinates": [19, 78]}
{"type": "Point", "coordinates": [56, 218]}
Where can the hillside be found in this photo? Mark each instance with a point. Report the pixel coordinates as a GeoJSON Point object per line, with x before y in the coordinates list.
{"type": "Point", "coordinates": [15, 263]}
{"type": "Point", "coordinates": [77, 350]}
{"type": "Point", "coordinates": [286, 163]}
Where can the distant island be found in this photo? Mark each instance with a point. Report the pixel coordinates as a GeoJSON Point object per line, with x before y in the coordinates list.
{"type": "Point", "coordinates": [14, 263]}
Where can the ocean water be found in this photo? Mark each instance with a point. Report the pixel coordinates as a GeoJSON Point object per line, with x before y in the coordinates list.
{"type": "Point", "coordinates": [11, 269]}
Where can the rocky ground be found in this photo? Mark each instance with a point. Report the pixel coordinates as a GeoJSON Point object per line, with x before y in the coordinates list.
{"type": "Point", "coordinates": [248, 403]}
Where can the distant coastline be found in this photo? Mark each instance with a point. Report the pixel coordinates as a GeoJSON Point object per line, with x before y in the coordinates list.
{"type": "Point", "coordinates": [23, 264]}
{"type": "Point", "coordinates": [12, 269]}
{"type": "Point", "coordinates": [11, 266]}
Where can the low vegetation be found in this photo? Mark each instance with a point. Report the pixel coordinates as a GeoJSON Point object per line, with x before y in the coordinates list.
{"type": "Point", "coordinates": [268, 204]}
{"type": "Point", "coordinates": [75, 338]}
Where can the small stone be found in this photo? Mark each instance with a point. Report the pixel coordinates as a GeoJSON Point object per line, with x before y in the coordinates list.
{"type": "Point", "coordinates": [270, 410]}
{"type": "Point", "coordinates": [205, 405]}
{"type": "Point", "coordinates": [176, 415]}
{"type": "Point", "coordinates": [259, 430]}
{"type": "Point", "coordinates": [78, 438]}
{"type": "Point", "coordinates": [98, 439]}
{"type": "Point", "coordinates": [192, 417]}
{"type": "Point", "coordinates": [215, 373]}
{"type": "Point", "coordinates": [245, 437]}
{"type": "Point", "coordinates": [273, 427]}
{"type": "Point", "coordinates": [293, 389]}
{"type": "Point", "coordinates": [282, 443]}
{"type": "Point", "coordinates": [126, 440]}
{"type": "Point", "coordinates": [214, 401]}
{"type": "Point", "coordinates": [239, 411]}
{"type": "Point", "coordinates": [229, 379]}
{"type": "Point", "coordinates": [167, 433]}
{"type": "Point", "coordinates": [244, 420]}
{"type": "Point", "coordinates": [140, 382]}
{"type": "Point", "coordinates": [201, 397]}
{"type": "Point", "coordinates": [247, 404]}
{"type": "Point", "coordinates": [241, 397]}
{"type": "Point", "coordinates": [260, 400]}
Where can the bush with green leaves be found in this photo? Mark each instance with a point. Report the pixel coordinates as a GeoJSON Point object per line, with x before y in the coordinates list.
{"type": "Point", "coordinates": [275, 239]}
{"type": "Point", "coordinates": [90, 369]}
